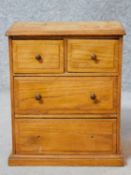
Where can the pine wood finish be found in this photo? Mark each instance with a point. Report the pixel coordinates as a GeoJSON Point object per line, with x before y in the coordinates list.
{"type": "Point", "coordinates": [92, 55]}
{"type": "Point", "coordinates": [65, 93]}
{"type": "Point", "coordinates": [109, 28]}
{"type": "Point", "coordinates": [25, 55]}
{"type": "Point", "coordinates": [65, 136]}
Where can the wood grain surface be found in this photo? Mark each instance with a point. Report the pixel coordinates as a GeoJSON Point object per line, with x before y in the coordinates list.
{"type": "Point", "coordinates": [92, 55]}
{"type": "Point", "coordinates": [107, 28]}
{"type": "Point", "coordinates": [65, 136]}
{"type": "Point", "coordinates": [65, 95]}
{"type": "Point", "coordinates": [25, 55]}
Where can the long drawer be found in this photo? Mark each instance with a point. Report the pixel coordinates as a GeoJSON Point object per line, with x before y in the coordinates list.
{"type": "Point", "coordinates": [65, 136]}
{"type": "Point", "coordinates": [65, 95]}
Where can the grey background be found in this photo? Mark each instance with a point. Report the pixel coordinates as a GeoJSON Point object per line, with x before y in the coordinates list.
{"type": "Point", "coordinates": [64, 10]}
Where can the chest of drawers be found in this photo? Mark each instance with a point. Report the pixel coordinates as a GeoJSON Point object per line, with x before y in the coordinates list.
{"type": "Point", "coordinates": [65, 93]}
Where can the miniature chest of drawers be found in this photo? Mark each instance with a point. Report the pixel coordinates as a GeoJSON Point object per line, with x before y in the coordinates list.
{"type": "Point", "coordinates": [65, 93]}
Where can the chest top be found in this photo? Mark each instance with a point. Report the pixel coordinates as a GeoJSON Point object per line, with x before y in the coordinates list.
{"type": "Point", "coordinates": [111, 28]}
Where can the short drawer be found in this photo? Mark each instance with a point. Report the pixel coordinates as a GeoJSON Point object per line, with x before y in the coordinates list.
{"type": "Point", "coordinates": [65, 136]}
{"type": "Point", "coordinates": [92, 55]}
{"type": "Point", "coordinates": [37, 56]}
{"type": "Point", "coordinates": [65, 95]}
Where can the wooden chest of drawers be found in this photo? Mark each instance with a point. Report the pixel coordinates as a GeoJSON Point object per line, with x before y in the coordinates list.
{"type": "Point", "coordinates": [65, 93]}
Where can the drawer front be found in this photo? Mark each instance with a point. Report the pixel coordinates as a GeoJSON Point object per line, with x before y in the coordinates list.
{"type": "Point", "coordinates": [65, 95]}
{"type": "Point", "coordinates": [92, 55]}
{"type": "Point", "coordinates": [65, 136]}
{"type": "Point", "coordinates": [37, 56]}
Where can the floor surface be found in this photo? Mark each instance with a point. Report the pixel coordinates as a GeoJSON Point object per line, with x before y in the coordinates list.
{"type": "Point", "coordinates": [5, 146]}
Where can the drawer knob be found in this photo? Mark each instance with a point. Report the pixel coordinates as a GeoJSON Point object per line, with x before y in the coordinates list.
{"type": "Point", "coordinates": [93, 96]}
{"type": "Point", "coordinates": [38, 57]}
{"type": "Point", "coordinates": [94, 57]}
{"type": "Point", "coordinates": [38, 97]}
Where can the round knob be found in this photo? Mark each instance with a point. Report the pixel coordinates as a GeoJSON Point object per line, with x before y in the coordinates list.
{"type": "Point", "coordinates": [38, 97]}
{"type": "Point", "coordinates": [38, 57]}
{"type": "Point", "coordinates": [93, 57]}
{"type": "Point", "coordinates": [93, 97]}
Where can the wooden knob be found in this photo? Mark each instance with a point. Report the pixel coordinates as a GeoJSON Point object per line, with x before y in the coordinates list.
{"type": "Point", "coordinates": [38, 57]}
{"type": "Point", "coordinates": [93, 57]}
{"type": "Point", "coordinates": [93, 96]}
{"type": "Point", "coordinates": [38, 97]}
